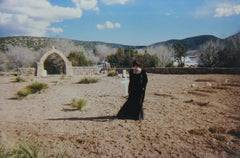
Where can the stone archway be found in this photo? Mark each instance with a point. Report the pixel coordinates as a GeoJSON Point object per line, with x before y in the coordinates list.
{"type": "Point", "coordinates": [40, 64]}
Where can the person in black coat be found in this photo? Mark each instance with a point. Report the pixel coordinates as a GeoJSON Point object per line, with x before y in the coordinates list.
{"type": "Point", "coordinates": [133, 107]}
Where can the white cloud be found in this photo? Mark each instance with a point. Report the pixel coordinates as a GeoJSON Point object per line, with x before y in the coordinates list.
{"type": "Point", "coordinates": [108, 25]}
{"type": "Point", "coordinates": [117, 25]}
{"type": "Point", "coordinates": [100, 27]}
{"type": "Point", "coordinates": [110, 2]}
{"type": "Point", "coordinates": [87, 4]}
{"type": "Point", "coordinates": [218, 8]}
{"type": "Point", "coordinates": [227, 10]}
{"type": "Point", "coordinates": [56, 30]}
{"type": "Point", "coordinates": [33, 17]}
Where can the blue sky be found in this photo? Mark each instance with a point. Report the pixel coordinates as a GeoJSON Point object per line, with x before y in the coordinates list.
{"type": "Point", "coordinates": [134, 22]}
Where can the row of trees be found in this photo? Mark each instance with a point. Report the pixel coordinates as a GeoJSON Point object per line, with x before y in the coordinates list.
{"type": "Point", "coordinates": [125, 56]}
{"type": "Point", "coordinates": [152, 57]}
{"type": "Point", "coordinates": [161, 56]}
{"type": "Point", "coordinates": [211, 54]}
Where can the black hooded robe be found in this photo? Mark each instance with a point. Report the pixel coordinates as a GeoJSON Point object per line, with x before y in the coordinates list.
{"type": "Point", "coordinates": [133, 107]}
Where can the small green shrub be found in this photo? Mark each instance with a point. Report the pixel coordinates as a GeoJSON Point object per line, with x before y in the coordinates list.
{"type": "Point", "coordinates": [112, 73]}
{"type": "Point", "coordinates": [88, 80]}
{"type": "Point", "coordinates": [26, 150]}
{"type": "Point", "coordinates": [35, 87]}
{"type": "Point", "coordinates": [23, 92]}
{"type": "Point", "coordinates": [3, 151]}
{"type": "Point", "coordinates": [170, 64]}
{"type": "Point", "coordinates": [79, 104]}
{"type": "Point", "coordinates": [19, 79]}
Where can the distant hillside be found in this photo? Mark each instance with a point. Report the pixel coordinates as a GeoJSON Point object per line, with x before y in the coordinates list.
{"type": "Point", "coordinates": [92, 44]}
{"type": "Point", "coordinates": [191, 43]}
{"type": "Point", "coordinates": [35, 43]}
{"type": "Point", "coordinates": [233, 41]}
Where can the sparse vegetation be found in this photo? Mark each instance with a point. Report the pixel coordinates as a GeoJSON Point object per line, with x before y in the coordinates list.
{"type": "Point", "coordinates": [125, 56]}
{"type": "Point", "coordinates": [112, 73]}
{"type": "Point", "coordinates": [180, 52]}
{"type": "Point", "coordinates": [35, 87]}
{"type": "Point", "coordinates": [88, 80]}
{"type": "Point", "coordinates": [78, 103]}
{"type": "Point", "coordinates": [78, 59]}
{"type": "Point", "coordinates": [26, 150]}
{"type": "Point", "coordinates": [23, 92]}
{"type": "Point", "coordinates": [19, 79]}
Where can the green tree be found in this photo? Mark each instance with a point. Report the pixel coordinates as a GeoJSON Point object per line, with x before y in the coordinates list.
{"type": "Point", "coordinates": [179, 52]}
{"type": "Point", "coordinates": [113, 60]}
{"type": "Point", "coordinates": [78, 59]}
{"type": "Point", "coordinates": [125, 57]}
{"type": "Point", "coordinates": [148, 60]}
{"type": "Point", "coordinates": [122, 57]}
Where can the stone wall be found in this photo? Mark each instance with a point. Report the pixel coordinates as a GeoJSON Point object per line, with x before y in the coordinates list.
{"type": "Point", "coordinates": [28, 71]}
{"type": "Point", "coordinates": [85, 70]}
{"type": "Point", "coordinates": [75, 71]}
{"type": "Point", "coordinates": [199, 70]}
{"type": "Point", "coordinates": [95, 70]}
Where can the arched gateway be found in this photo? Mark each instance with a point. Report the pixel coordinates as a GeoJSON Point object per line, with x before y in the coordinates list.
{"type": "Point", "coordinates": [40, 64]}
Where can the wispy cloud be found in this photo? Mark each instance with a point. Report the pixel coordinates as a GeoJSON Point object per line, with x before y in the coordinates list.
{"type": "Point", "coordinates": [108, 25]}
{"type": "Point", "coordinates": [169, 13]}
{"type": "Point", "coordinates": [218, 8]}
{"type": "Point", "coordinates": [56, 30]}
{"type": "Point", "coordinates": [110, 2]}
{"type": "Point", "coordinates": [87, 4]}
{"type": "Point", "coordinates": [227, 9]}
{"type": "Point", "coordinates": [33, 17]}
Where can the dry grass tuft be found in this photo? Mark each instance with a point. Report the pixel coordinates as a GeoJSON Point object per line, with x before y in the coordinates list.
{"type": "Point", "coordinates": [35, 87]}
{"type": "Point", "coordinates": [112, 73]}
{"type": "Point", "coordinates": [19, 79]}
{"type": "Point", "coordinates": [88, 80]}
{"type": "Point", "coordinates": [27, 150]}
{"type": "Point", "coordinates": [78, 103]}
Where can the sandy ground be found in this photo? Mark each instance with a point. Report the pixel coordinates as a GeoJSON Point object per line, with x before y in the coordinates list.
{"type": "Point", "coordinates": [185, 116]}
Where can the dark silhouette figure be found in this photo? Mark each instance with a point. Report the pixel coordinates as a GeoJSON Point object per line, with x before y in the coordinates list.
{"type": "Point", "coordinates": [133, 107]}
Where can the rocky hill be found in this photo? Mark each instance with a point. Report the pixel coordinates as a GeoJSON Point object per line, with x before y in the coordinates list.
{"type": "Point", "coordinates": [35, 43]}
{"type": "Point", "coordinates": [191, 43]}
